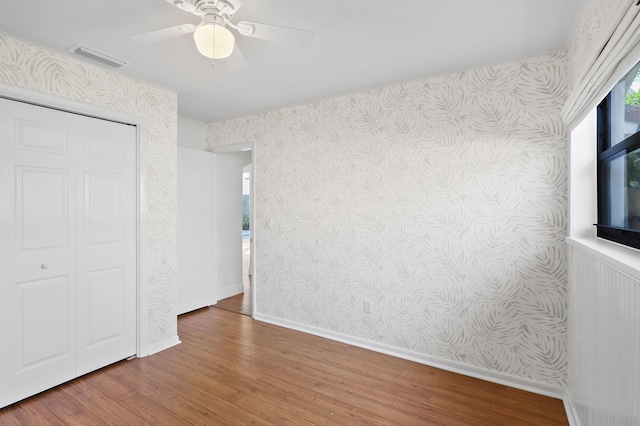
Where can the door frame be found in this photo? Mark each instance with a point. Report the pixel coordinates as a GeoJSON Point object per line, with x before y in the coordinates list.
{"type": "Point", "coordinates": [226, 149]}
{"type": "Point", "coordinates": [142, 250]}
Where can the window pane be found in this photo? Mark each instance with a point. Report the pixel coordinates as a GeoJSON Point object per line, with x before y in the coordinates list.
{"type": "Point", "coordinates": [623, 184]}
{"type": "Point", "coordinates": [624, 114]}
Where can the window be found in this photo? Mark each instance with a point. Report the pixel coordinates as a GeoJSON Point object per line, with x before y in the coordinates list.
{"type": "Point", "coordinates": [619, 162]}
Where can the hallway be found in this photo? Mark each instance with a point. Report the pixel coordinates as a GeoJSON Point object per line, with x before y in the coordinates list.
{"type": "Point", "coordinates": [240, 303]}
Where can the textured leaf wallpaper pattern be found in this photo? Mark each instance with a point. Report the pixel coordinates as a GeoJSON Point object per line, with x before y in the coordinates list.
{"type": "Point", "coordinates": [31, 67]}
{"type": "Point", "coordinates": [443, 201]}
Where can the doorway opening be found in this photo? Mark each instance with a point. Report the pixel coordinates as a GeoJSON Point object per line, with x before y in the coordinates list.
{"type": "Point", "coordinates": [246, 238]}
{"type": "Point", "coordinates": [233, 231]}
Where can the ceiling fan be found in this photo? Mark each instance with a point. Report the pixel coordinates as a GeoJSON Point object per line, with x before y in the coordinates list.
{"type": "Point", "coordinates": [212, 36]}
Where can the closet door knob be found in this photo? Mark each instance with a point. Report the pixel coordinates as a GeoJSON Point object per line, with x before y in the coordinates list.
{"type": "Point", "coordinates": [45, 266]}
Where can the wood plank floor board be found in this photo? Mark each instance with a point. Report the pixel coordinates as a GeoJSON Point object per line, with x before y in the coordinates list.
{"type": "Point", "coordinates": [220, 414]}
{"type": "Point", "coordinates": [156, 413]}
{"type": "Point", "coordinates": [524, 412]}
{"type": "Point", "coordinates": [85, 418]}
{"type": "Point", "coordinates": [455, 391]}
{"type": "Point", "coordinates": [492, 398]}
{"type": "Point", "coordinates": [62, 405]}
{"type": "Point", "coordinates": [7, 418]}
{"type": "Point", "coordinates": [379, 392]}
{"type": "Point", "coordinates": [434, 415]}
{"type": "Point", "coordinates": [306, 396]}
{"type": "Point", "coordinates": [272, 413]}
{"type": "Point", "coordinates": [104, 408]}
{"type": "Point", "coordinates": [192, 404]}
{"type": "Point", "coordinates": [305, 408]}
{"type": "Point", "coordinates": [357, 417]}
{"type": "Point", "coordinates": [496, 419]}
{"type": "Point", "coordinates": [336, 362]}
{"type": "Point", "coordinates": [213, 367]}
{"type": "Point", "coordinates": [35, 413]}
{"type": "Point", "coordinates": [517, 400]}
{"type": "Point", "coordinates": [233, 370]}
{"type": "Point", "coordinates": [156, 403]}
{"type": "Point", "coordinates": [206, 395]}
{"type": "Point", "coordinates": [531, 401]}
{"type": "Point", "coordinates": [144, 387]}
{"type": "Point", "coordinates": [157, 385]}
{"type": "Point", "coordinates": [358, 401]}
{"type": "Point", "coordinates": [450, 381]}
{"type": "Point", "coordinates": [222, 385]}
{"type": "Point", "coordinates": [343, 398]}
{"type": "Point", "coordinates": [417, 392]}
{"type": "Point", "coordinates": [224, 355]}
{"type": "Point", "coordinates": [344, 363]}
{"type": "Point", "coordinates": [111, 387]}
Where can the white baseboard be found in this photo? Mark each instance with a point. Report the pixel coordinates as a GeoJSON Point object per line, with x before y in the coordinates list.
{"type": "Point", "coordinates": [453, 366]}
{"type": "Point", "coordinates": [159, 346]}
{"type": "Point", "coordinates": [230, 291]}
{"type": "Point", "coordinates": [572, 414]}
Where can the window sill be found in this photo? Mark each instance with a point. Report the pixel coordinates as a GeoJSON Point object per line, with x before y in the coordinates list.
{"type": "Point", "coordinates": [623, 258]}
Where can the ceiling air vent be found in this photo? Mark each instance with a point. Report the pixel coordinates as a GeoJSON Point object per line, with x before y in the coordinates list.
{"type": "Point", "coordinates": [94, 55]}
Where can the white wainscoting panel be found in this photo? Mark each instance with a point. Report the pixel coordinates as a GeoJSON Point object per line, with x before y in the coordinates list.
{"type": "Point", "coordinates": [605, 350]}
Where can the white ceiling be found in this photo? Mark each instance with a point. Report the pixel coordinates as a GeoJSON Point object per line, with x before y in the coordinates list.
{"type": "Point", "coordinates": [358, 44]}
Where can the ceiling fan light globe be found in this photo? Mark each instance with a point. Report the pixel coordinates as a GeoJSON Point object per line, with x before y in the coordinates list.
{"type": "Point", "coordinates": [214, 41]}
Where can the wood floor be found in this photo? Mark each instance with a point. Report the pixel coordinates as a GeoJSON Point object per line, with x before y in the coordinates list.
{"type": "Point", "coordinates": [232, 370]}
{"type": "Point", "coordinates": [240, 303]}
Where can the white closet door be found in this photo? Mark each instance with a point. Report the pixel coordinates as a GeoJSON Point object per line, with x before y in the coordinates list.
{"type": "Point", "coordinates": [106, 243]}
{"type": "Point", "coordinates": [64, 234]}
{"type": "Point", "coordinates": [37, 251]}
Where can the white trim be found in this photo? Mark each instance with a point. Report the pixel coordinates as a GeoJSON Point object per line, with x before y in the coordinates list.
{"type": "Point", "coordinates": [582, 171]}
{"type": "Point", "coordinates": [230, 291]}
{"type": "Point", "coordinates": [226, 149]}
{"type": "Point", "coordinates": [69, 105]}
{"type": "Point", "coordinates": [572, 414]}
{"type": "Point", "coordinates": [143, 242]}
{"type": "Point", "coordinates": [235, 147]}
{"type": "Point", "coordinates": [161, 345]}
{"type": "Point", "coordinates": [214, 228]}
{"type": "Point", "coordinates": [623, 258]}
{"type": "Point", "coordinates": [448, 365]}
{"type": "Point", "coordinates": [51, 101]}
{"type": "Point", "coordinates": [252, 227]}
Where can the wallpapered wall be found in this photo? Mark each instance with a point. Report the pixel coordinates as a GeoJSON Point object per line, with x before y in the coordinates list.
{"type": "Point", "coordinates": [35, 68]}
{"type": "Point", "coordinates": [443, 201]}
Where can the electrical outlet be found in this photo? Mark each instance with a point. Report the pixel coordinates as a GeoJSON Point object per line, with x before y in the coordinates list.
{"type": "Point", "coordinates": [367, 306]}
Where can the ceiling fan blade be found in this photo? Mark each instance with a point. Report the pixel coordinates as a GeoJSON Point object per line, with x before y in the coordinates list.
{"type": "Point", "coordinates": [285, 35]}
{"type": "Point", "coordinates": [183, 5]}
{"type": "Point", "coordinates": [163, 34]}
{"type": "Point", "coordinates": [236, 61]}
{"type": "Point", "coordinates": [237, 4]}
